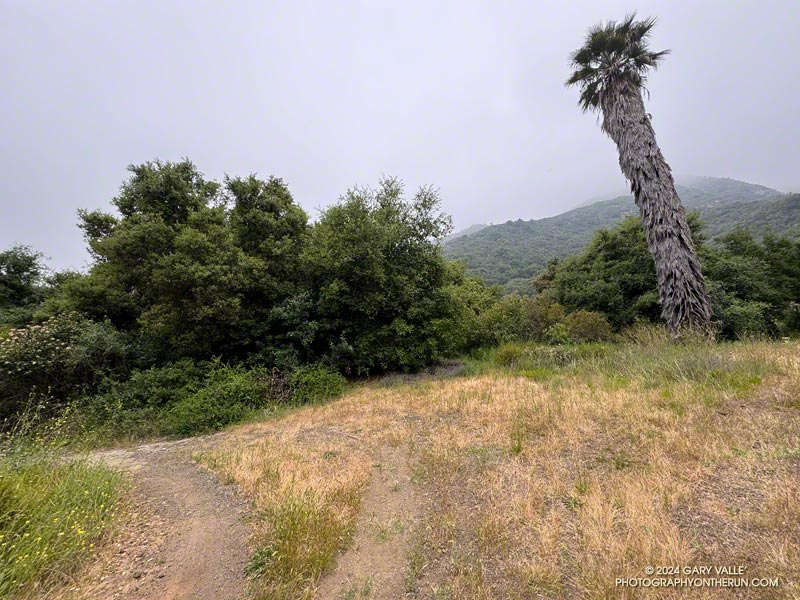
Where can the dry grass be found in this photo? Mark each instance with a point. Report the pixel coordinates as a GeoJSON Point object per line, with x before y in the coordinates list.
{"type": "Point", "coordinates": [551, 486]}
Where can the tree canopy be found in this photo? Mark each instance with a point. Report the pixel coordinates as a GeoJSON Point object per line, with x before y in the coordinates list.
{"type": "Point", "coordinates": [195, 268]}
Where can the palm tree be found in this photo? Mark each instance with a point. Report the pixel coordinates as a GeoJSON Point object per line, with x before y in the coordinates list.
{"type": "Point", "coordinates": [610, 71]}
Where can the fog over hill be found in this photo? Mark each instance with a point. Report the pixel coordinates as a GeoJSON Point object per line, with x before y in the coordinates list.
{"type": "Point", "coordinates": [520, 249]}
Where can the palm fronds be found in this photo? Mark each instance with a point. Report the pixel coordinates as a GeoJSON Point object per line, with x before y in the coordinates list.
{"type": "Point", "coordinates": [611, 52]}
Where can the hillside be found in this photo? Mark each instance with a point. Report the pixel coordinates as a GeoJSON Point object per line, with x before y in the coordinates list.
{"type": "Point", "coordinates": [468, 231]}
{"type": "Point", "coordinates": [780, 213]}
{"type": "Point", "coordinates": [520, 249]}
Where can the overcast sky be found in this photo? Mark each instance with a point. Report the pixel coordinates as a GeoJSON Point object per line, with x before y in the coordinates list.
{"type": "Point", "coordinates": [466, 96]}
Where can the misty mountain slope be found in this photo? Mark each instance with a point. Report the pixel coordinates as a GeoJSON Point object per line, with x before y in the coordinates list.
{"type": "Point", "coordinates": [468, 231]}
{"type": "Point", "coordinates": [520, 249]}
{"type": "Point", "coordinates": [779, 213]}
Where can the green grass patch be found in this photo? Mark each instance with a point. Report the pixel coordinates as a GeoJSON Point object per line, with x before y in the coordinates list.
{"type": "Point", "coordinates": [52, 514]}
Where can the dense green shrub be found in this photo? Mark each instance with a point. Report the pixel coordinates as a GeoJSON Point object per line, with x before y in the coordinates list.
{"type": "Point", "coordinates": [557, 333]}
{"type": "Point", "coordinates": [740, 318]}
{"type": "Point", "coordinates": [315, 383]}
{"type": "Point", "coordinates": [160, 386]}
{"type": "Point", "coordinates": [517, 318]}
{"type": "Point", "coordinates": [202, 412]}
{"type": "Point", "coordinates": [587, 326]}
{"type": "Point", "coordinates": [186, 398]}
{"type": "Point", "coordinates": [502, 321]}
{"type": "Point", "coordinates": [790, 319]}
{"type": "Point", "coordinates": [753, 284]}
{"type": "Point", "coordinates": [57, 359]}
{"type": "Point", "coordinates": [193, 267]}
{"type": "Point", "coordinates": [540, 314]}
{"type": "Point", "coordinates": [378, 282]}
{"type": "Point", "coordinates": [228, 395]}
{"type": "Point", "coordinates": [509, 354]}
{"type": "Point", "coordinates": [613, 275]}
{"type": "Point", "coordinates": [135, 407]}
{"type": "Point", "coordinates": [462, 325]}
{"type": "Point", "coordinates": [180, 398]}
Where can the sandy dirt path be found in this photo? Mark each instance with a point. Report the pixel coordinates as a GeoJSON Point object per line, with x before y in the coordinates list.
{"type": "Point", "coordinates": [183, 536]}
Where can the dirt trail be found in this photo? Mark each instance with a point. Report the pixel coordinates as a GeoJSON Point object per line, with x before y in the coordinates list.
{"type": "Point", "coordinates": [374, 567]}
{"type": "Point", "coordinates": [184, 537]}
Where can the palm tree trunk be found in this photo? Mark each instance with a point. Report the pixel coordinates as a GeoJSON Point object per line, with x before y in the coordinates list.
{"type": "Point", "coordinates": [681, 287]}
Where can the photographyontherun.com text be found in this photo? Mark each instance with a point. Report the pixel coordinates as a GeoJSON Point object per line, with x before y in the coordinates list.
{"type": "Point", "coordinates": [697, 576]}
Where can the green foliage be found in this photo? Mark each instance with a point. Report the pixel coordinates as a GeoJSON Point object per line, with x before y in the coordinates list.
{"type": "Point", "coordinates": [51, 362]}
{"type": "Point", "coordinates": [539, 316]}
{"type": "Point", "coordinates": [752, 284]}
{"type": "Point", "coordinates": [186, 398]}
{"type": "Point", "coordinates": [192, 268]}
{"type": "Point", "coordinates": [181, 398]}
{"type": "Point", "coordinates": [502, 321]}
{"type": "Point", "coordinates": [377, 281]}
{"type": "Point", "coordinates": [515, 318]}
{"type": "Point", "coordinates": [170, 191]}
{"type": "Point", "coordinates": [52, 511]}
{"type": "Point", "coordinates": [587, 326]}
{"type": "Point", "coordinates": [21, 270]}
{"type": "Point", "coordinates": [518, 318]}
{"type": "Point", "coordinates": [467, 302]}
{"type": "Point", "coordinates": [21, 285]}
{"type": "Point", "coordinates": [777, 213]}
{"type": "Point", "coordinates": [315, 383]}
{"type": "Point", "coordinates": [614, 275]}
{"type": "Point", "coordinates": [736, 317]}
{"type": "Point", "coordinates": [197, 269]}
{"type": "Point", "coordinates": [227, 396]}
{"type": "Point", "coordinates": [136, 407]}
{"type": "Point", "coordinates": [557, 334]}
{"type": "Point", "coordinates": [160, 386]}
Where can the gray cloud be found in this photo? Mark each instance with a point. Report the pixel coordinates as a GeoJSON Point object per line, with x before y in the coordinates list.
{"type": "Point", "coordinates": [467, 96]}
